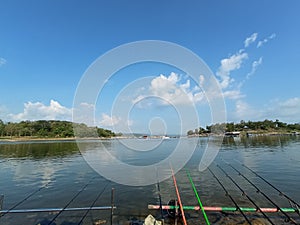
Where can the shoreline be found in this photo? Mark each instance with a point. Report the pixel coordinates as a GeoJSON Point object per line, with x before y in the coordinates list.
{"type": "Point", "coordinates": [250, 134]}
{"type": "Point", "coordinates": [40, 139]}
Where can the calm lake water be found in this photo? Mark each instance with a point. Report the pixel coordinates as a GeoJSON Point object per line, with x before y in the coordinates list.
{"type": "Point", "coordinates": [54, 174]}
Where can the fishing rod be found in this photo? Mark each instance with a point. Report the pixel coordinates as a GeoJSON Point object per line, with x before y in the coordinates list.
{"type": "Point", "coordinates": [244, 193]}
{"type": "Point", "coordinates": [94, 202]}
{"type": "Point", "coordinates": [75, 196]}
{"type": "Point", "coordinates": [198, 198]}
{"type": "Point", "coordinates": [55, 209]}
{"type": "Point", "coordinates": [159, 196]}
{"type": "Point", "coordinates": [261, 192]}
{"type": "Point", "coordinates": [23, 200]}
{"type": "Point", "coordinates": [227, 194]}
{"type": "Point", "coordinates": [223, 208]}
{"type": "Point", "coordinates": [280, 192]}
{"type": "Point", "coordinates": [178, 197]}
{"type": "Point", "coordinates": [112, 205]}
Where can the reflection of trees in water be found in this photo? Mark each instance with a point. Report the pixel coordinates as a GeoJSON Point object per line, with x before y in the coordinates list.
{"type": "Point", "coordinates": [260, 141]}
{"type": "Point", "coordinates": [38, 150]}
{"type": "Point", "coordinates": [229, 141]}
{"type": "Point", "coordinates": [90, 145]}
{"type": "Point", "coordinates": [268, 140]}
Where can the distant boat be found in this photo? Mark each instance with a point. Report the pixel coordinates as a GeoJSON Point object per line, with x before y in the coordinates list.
{"type": "Point", "coordinates": [232, 134]}
{"type": "Point", "coordinates": [165, 137]}
{"type": "Point", "coordinates": [143, 137]}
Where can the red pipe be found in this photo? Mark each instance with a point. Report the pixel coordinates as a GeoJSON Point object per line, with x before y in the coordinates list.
{"type": "Point", "coordinates": [179, 200]}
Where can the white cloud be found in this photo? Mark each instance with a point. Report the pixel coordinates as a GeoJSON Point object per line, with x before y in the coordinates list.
{"type": "Point", "coordinates": [116, 123]}
{"type": "Point", "coordinates": [171, 91]}
{"type": "Point", "coordinates": [109, 121]}
{"type": "Point", "coordinates": [233, 94]}
{"type": "Point", "coordinates": [250, 40]}
{"type": "Point", "coordinates": [272, 36]}
{"type": "Point", "coordinates": [260, 43]}
{"type": "Point", "coordinates": [138, 99]}
{"type": "Point", "coordinates": [39, 111]}
{"type": "Point", "coordinates": [2, 61]}
{"type": "Point", "coordinates": [265, 40]}
{"type": "Point", "coordinates": [84, 113]}
{"type": "Point", "coordinates": [287, 111]}
{"type": "Point", "coordinates": [199, 97]}
{"type": "Point", "coordinates": [243, 111]}
{"type": "Point", "coordinates": [292, 103]}
{"type": "Point", "coordinates": [162, 82]}
{"type": "Point", "coordinates": [87, 105]}
{"type": "Point", "coordinates": [186, 86]}
{"type": "Point", "coordinates": [254, 67]}
{"type": "Point", "coordinates": [228, 65]}
{"type": "Point", "coordinates": [201, 80]}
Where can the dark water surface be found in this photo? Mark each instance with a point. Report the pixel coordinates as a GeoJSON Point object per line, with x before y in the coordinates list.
{"type": "Point", "coordinates": [54, 174]}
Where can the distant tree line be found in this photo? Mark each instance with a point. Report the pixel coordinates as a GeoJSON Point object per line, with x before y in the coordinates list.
{"type": "Point", "coordinates": [51, 129]}
{"type": "Point", "coordinates": [260, 126]}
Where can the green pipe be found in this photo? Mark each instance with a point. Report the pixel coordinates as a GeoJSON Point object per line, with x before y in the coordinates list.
{"type": "Point", "coordinates": [198, 198]}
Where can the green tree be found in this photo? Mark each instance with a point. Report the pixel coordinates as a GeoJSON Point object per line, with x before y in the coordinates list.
{"type": "Point", "coordinates": [202, 130]}
{"type": "Point", "coordinates": [230, 127]}
{"type": "Point", "coordinates": [2, 128]}
{"type": "Point", "coordinates": [10, 129]}
{"type": "Point", "coordinates": [190, 132]}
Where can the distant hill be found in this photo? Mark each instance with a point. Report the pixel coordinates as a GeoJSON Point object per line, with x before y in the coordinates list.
{"type": "Point", "coordinates": [266, 126]}
{"type": "Point", "coordinates": [51, 129]}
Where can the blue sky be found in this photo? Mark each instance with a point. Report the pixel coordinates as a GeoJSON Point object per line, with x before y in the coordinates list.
{"type": "Point", "coordinates": [252, 47]}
